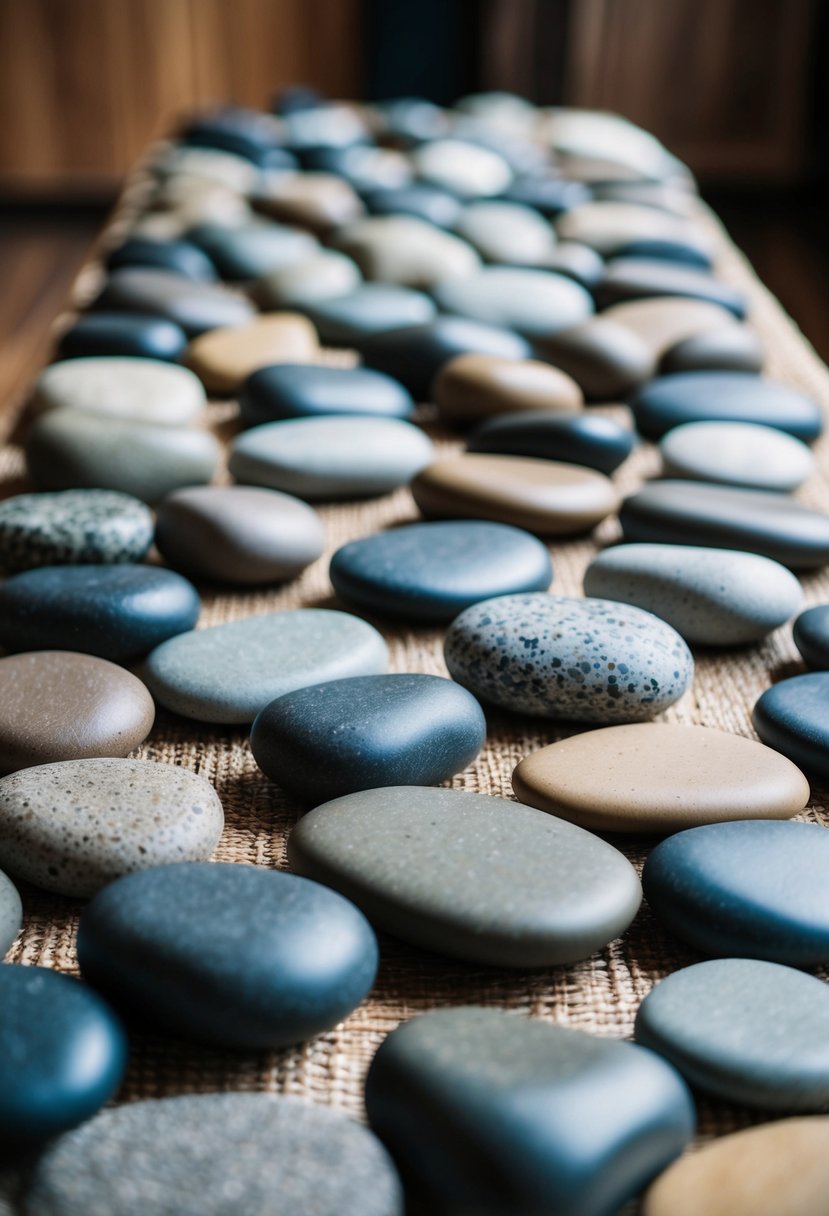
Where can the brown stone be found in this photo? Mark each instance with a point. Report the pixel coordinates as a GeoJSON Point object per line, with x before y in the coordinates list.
{"type": "Point", "coordinates": [319, 201]}
{"type": "Point", "coordinates": [543, 496]}
{"type": "Point", "coordinates": [224, 358]}
{"type": "Point", "coordinates": [57, 705]}
{"type": "Point", "coordinates": [471, 387]}
{"type": "Point", "coordinates": [606, 360]}
{"type": "Point", "coordinates": [663, 321]}
{"type": "Point", "coordinates": [659, 777]}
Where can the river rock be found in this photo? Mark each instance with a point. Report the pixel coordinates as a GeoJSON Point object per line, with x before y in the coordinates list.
{"type": "Point", "coordinates": [73, 526]}
{"type": "Point", "coordinates": [663, 321]}
{"type": "Point", "coordinates": [223, 359]}
{"type": "Point", "coordinates": [506, 232]}
{"type": "Point", "coordinates": [606, 360]}
{"type": "Point", "coordinates": [630, 278]}
{"type": "Point", "coordinates": [305, 391]}
{"type": "Point", "coordinates": [734, 348]}
{"type": "Point", "coordinates": [791, 716]}
{"type": "Point", "coordinates": [578, 262]}
{"type": "Point", "coordinates": [588, 439]}
{"type": "Point", "coordinates": [547, 193]}
{"type": "Point", "coordinates": [462, 168]}
{"type": "Point", "coordinates": [11, 914]}
{"type": "Point", "coordinates": [471, 387]}
{"type": "Point", "coordinates": [737, 454]}
{"type": "Point", "coordinates": [419, 199]}
{"type": "Point", "coordinates": [196, 307]}
{"type": "Point", "coordinates": [670, 401]}
{"type": "Point", "coordinates": [532, 302]}
{"type": "Point", "coordinates": [182, 257]}
{"type": "Point", "coordinates": [319, 277]}
{"type": "Point", "coordinates": [253, 250]}
{"type": "Point", "coordinates": [142, 390]}
{"type": "Point", "coordinates": [404, 250]}
{"type": "Point", "coordinates": [370, 309]}
{"type": "Point", "coordinates": [320, 201]}
{"type": "Point", "coordinates": [118, 333]}
{"type": "Point", "coordinates": [811, 636]}
{"type": "Point", "coordinates": [614, 229]}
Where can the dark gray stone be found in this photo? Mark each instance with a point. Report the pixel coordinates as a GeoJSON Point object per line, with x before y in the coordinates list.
{"type": "Point", "coordinates": [793, 717]}
{"type": "Point", "coordinates": [302, 390]}
{"type": "Point", "coordinates": [717, 396]}
{"type": "Point", "coordinates": [588, 439]}
{"type": "Point", "coordinates": [117, 333]}
{"type": "Point", "coordinates": [182, 257]}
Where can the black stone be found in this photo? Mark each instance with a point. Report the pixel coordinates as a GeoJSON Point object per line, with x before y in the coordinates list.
{"type": "Point", "coordinates": [793, 717]}
{"type": "Point", "coordinates": [302, 390]}
{"type": "Point", "coordinates": [717, 396]}
{"type": "Point", "coordinates": [118, 333]}
{"type": "Point", "coordinates": [587, 439]}
{"type": "Point", "coordinates": [811, 636]}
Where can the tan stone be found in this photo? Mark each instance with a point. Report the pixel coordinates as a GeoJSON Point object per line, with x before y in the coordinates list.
{"type": "Point", "coordinates": [607, 360]}
{"type": "Point", "coordinates": [778, 1169]}
{"type": "Point", "coordinates": [662, 321]}
{"type": "Point", "coordinates": [314, 200]}
{"type": "Point", "coordinates": [543, 496]}
{"type": "Point", "coordinates": [405, 250]}
{"type": "Point", "coordinates": [470, 387]}
{"type": "Point", "coordinates": [608, 226]}
{"type": "Point", "coordinates": [224, 358]}
{"type": "Point", "coordinates": [659, 777]}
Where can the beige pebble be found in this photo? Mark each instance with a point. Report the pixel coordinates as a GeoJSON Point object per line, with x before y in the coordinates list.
{"type": "Point", "coordinates": [224, 358]}
{"type": "Point", "coordinates": [471, 387]}
{"type": "Point", "coordinates": [663, 321]}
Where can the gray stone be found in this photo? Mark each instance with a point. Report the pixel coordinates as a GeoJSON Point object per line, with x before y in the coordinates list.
{"type": "Point", "coordinates": [405, 250]}
{"type": "Point", "coordinates": [73, 527]}
{"type": "Point", "coordinates": [533, 302]}
{"type": "Point", "coordinates": [143, 390]}
{"type": "Point", "coordinates": [737, 454]}
{"type": "Point", "coordinates": [11, 914]}
{"type": "Point", "coordinates": [507, 232]}
{"type": "Point", "coordinates": [196, 307]}
{"type": "Point", "coordinates": [369, 309]}
{"type": "Point", "coordinates": [326, 275]}
{"type": "Point", "coordinates": [252, 251]}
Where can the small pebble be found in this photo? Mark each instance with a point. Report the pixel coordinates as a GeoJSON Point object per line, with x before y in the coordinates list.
{"type": "Point", "coordinates": [793, 717]}
{"type": "Point", "coordinates": [532, 302]}
{"type": "Point", "coordinates": [369, 309]}
{"type": "Point", "coordinates": [672, 401]}
{"type": "Point", "coordinates": [737, 454]}
{"type": "Point", "coordinates": [406, 251]}
{"type": "Point", "coordinates": [811, 636]}
{"type": "Point", "coordinates": [118, 333]}
{"type": "Point", "coordinates": [321, 276]}
{"type": "Point", "coordinates": [11, 914]}
{"type": "Point", "coordinates": [636, 278]}
{"type": "Point", "coordinates": [734, 348]}
{"type": "Point", "coordinates": [606, 360]}
{"type": "Point", "coordinates": [183, 257]}
{"type": "Point", "coordinates": [196, 307]}
{"type": "Point", "coordinates": [250, 251]}
{"type": "Point", "coordinates": [664, 321]}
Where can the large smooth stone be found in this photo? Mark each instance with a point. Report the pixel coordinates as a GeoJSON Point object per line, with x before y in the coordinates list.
{"type": "Point", "coordinates": [532, 302]}
{"type": "Point", "coordinates": [737, 454]}
{"type": "Point", "coordinates": [414, 355]}
{"type": "Point", "coordinates": [711, 596]}
{"type": "Point", "coordinates": [734, 348]}
{"type": "Point", "coordinates": [227, 673]}
{"type": "Point", "coordinates": [182, 257]}
{"type": "Point", "coordinates": [496, 1113]}
{"type": "Point", "coordinates": [58, 705]}
{"type": "Point", "coordinates": [606, 360]}
{"type": "Point", "coordinates": [215, 1154]}
{"type": "Point", "coordinates": [425, 202]}
{"type": "Point", "coordinates": [323, 276]}
{"type": "Point", "coordinates": [404, 250]}
{"type": "Point", "coordinates": [325, 458]}
{"type": "Point", "coordinates": [238, 534]}
{"type": "Point", "coordinates": [777, 1169]}
{"type": "Point", "coordinates": [306, 391]}
{"type": "Point", "coordinates": [588, 439]}
{"type": "Point", "coordinates": [223, 359]}
{"type": "Point", "coordinates": [725, 517]}
{"type": "Point", "coordinates": [770, 905]}
{"type": "Point", "coordinates": [630, 278]}
{"type": "Point", "coordinates": [73, 526]}
{"type": "Point", "coordinates": [471, 387]}
{"type": "Point", "coordinates": [121, 387]}
{"type": "Point", "coordinates": [811, 636]}
{"type": "Point", "coordinates": [748, 1031]}
{"type": "Point", "coordinates": [462, 168]}
{"type": "Point", "coordinates": [255, 250]}
{"type": "Point", "coordinates": [75, 826]}
{"type": "Point", "coordinates": [71, 449]}
{"type": "Point", "coordinates": [578, 262]}
{"type": "Point", "coordinates": [584, 660]}
{"type": "Point", "coordinates": [792, 717]}
{"type": "Point", "coordinates": [196, 307]}
{"type": "Point", "coordinates": [614, 228]}
{"type": "Point", "coordinates": [541, 495]}
{"type": "Point", "coordinates": [230, 954]}
{"type": "Point", "coordinates": [64, 1053]}
{"type": "Point", "coordinates": [506, 232]}
{"type": "Point", "coordinates": [11, 914]}
{"type": "Point", "coordinates": [320, 201]}
{"type": "Point", "coordinates": [117, 612]}
{"type": "Point", "coordinates": [658, 777]}
{"type": "Point", "coordinates": [663, 321]}
{"type": "Point", "coordinates": [469, 875]}
{"type": "Point", "coordinates": [670, 401]}
{"type": "Point", "coordinates": [118, 333]}
{"type": "Point", "coordinates": [370, 309]}
{"type": "Point", "coordinates": [432, 571]}
{"type": "Point", "coordinates": [333, 739]}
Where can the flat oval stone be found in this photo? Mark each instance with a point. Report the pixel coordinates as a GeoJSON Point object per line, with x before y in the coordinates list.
{"type": "Point", "coordinates": [57, 705]}
{"type": "Point", "coordinates": [432, 571]}
{"type": "Point", "coordinates": [792, 717]}
{"type": "Point", "coordinates": [372, 308]}
{"type": "Point", "coordinates": [584, 660]}
{"type": "Point", "coordinates": [532, 302]}
{"type": "Point", "coordinates": [588, 439]}
{"type": "Point", "coordinates": [64, 1053]}
{"type": "Point", "coordinates": [83, 526]}
{"type": "Point", "coordinates": [541, 495]}
{"type": "Point", "coordinates": [224, 358]}
{"type": "Point", "coordinates": [506, 232]}
{"type": "Point", "coordinates": [492, 1112]}
{"type": "Point", "coordinates": [737, 454]}
{"type": "Point", "coordinates": [578, 262]}
{"type": "Point", "coordinates": [471, 387]}
{"type": "Point", "coordinates": [331, 457]}
{"type": "Point", "coordinates": [469, 875]}
{"type": "Point", "coordinates": [462, 168]}
{"type": "Point", "coordinates": [663, 321]}
{"type": "Point", "coordinates": [74, 826]}
{"type": "Point", "coordinates": [659, 777]}
{"type": "Point", "coordinates": [250, 251]}
{"type": "Point", "coordinates": [320, 201]}
{"type": "Point", "coordinates": [629, 278]}
{"type": "Point", "coordinates": [121, 387]}
{"type": "Point", "coordinates": [182, 257]}
{"type": "Point", "coordinates": [770, 906]}
{"type": "Point", "coordinates": [11, 914]}
{"type": "Point", "coordinates": [811, 636]}
{"type": "Point", "coordinates": [613, 228]}
{"type": "Point", "coordinates": [196, 307]}
{"type": "Point", "coordinates": [713, 597]}
{"type": "Point", "coordinates": [118, 333]}
{"type": "Point", "coordinates": [726, 517]}
{"type": "Point", "coordinates": [606, 360]}
{"type": "Point", "coordinates": [213, 1152]}
{"type": "Point", "coordinates": [670, 401]}
{"type": "Point", "coordinates": [117, 612]}
{"type": "Point", "coordinates": [322, 276]}
{"type": "Point", "coordinates": [741, 1174]}
{"type": "Point", "coordinates": [734, 348]}
{"type": "Point", "coordinates": [292, 390]}
{"type": "Point", "coordinates": [235, 955]}
{"type": "Point", "coordinates": [419, 199]}
{"type": "Point", "coordinates": [227, 673]}
{"type": "Point", "coordinates": [405, 250]}
{"type": "Point", "coordinates": [748, 1031]}
{"type": "Point", "coordinates": [71, 449]}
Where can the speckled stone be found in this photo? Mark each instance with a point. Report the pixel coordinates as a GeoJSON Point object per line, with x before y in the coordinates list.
{"type": "Point", "coordinates": [223, 359]}
{"type": "Point", "coordinates": [322, 276]}
{"type": "Point", "coordinates": [236, 955]}
{"type": "Point", "coordinates": [141, 390]}
{"type": "Point", "coordinates": [183, 257]}
{"type": "Point", "coordinates": [734, 348]}
{"type": "Point", "coordinates": [404, 250]}
{"type": "Point", "coordinates": [506, 232]}
{"type": "Point", "coordinates": [811, 636]}
{"type": "Point", "coordinates": [532, 302]}
{"type": "Point", "coordinates": [470, 875]}
{"type": "Point", "coordinates": [588, 439]}
{"type": "Point", "coordinates": [218, 1155]}
{"type": "Point", "coordinates": [496, 1113]}
{"type": "Point", "coordinates": [555, 657]}
{"type": "Point", "coordinates": [770, 906]}
{"type": "Point", "coordinates": [372, 308]}
{"type": "Point", "coordinates": [11, 914]}
{"type": "Point", "coordinates": [196, 307]}
{"type": "Point", "coordinates": [227, 673]}
{"type": "Point", "coordinates": [64, 1053]}
{"type": "Point", "coordinates": [745, 1030]}
{"type": "Point", "coordinates": [238, 534]}
{"type": "Point", "coordinates": [659, 777]}
{"type": "Point", "coordinates": [793, 716]}
{"type": "Point", "coordinates": [73, 526]}
{"type": "Point", "coordinates": [713, 597]}
{"type": "Point", "coordinates": [58, 705]}
{"type": "Point", "coordinates": [118, 333]}
{"type": "Point", "coordinates": [634, 278]}
{"type": "Point", "coordinates": [670, 401]}
{"type": "Point", "coordinates": [73, 827]}
{"type": "Point", "coordinates": [605, 359]}
{"type": "Point", "coordinates": [471, 387]}
{"type": "Point", "coordinates": [250, 251]}
{"type": "Point", "coordinates": [737, 454]}
{"type": "Point", "coordinates": [293, 390]}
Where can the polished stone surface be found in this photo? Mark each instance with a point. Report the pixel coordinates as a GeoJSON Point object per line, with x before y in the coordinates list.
{"type": "Point", "coordinates": [293, 390]}
{"type": "Point", "coordinates": [737, 454]}
{"type": "Point", "coordinates": [117, 386]}
{"type": "Point", "coordinates": [670, 401]}
{"type": "Point", "coordinates": [588, 439]}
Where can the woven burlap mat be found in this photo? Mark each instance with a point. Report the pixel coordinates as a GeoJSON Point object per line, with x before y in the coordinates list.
{"type": "Point", "coordinates": [600, 995]}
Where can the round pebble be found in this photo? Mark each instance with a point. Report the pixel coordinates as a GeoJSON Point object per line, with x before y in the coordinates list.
{"type": "Point", "coordinates": [671, 401]}
{"type": "Point", "coordinates": [11, 914]}
{"type": "Point", "coordinates": [462, 168]}
{"type": "Point", "coordinates": [224, 358]}
{"type": "Point", "coordinates": [737, 454]}
{"type": "Point", "coordinates": [506, 232]}
{"type": "Point", "coordinates": [792, 717]}
{"type": "Point", "coordinates": [811, 636]}
{"type": "Point", "coordinates": [274, 394]}
{"type": "Point", "coordinates": [118, 333]}
{"type": "Point", "coordinates": [606, 360]}
{"type": "Point", "coordinates": [196, 307]}
{"type": "Point", "coordinates": [141, 390]}
{"type": "Point", "coordinates": [613, 227]}
{"type": "Point", "coordinates": [471, 387]}
{"type": "Point", "coordinates": [320, 201]}
{"type": "Point", "coordinates": [372, 308]}
{"type": "Point", "coordinates": [532, 302]}
{"type": "Point", "coordinates": [73, 526]}
{"type": "Point", "coordinates": [588, 439]}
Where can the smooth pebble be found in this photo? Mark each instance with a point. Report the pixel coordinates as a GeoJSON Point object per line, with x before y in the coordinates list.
{"type": "Point", "coordinates": [737, 454]}
{"type": "Point", "coordinates": [532, 302]}
{"type": "Point", "coordinates": [290, 390]}
{"type": "Point", "coordinates": [141, 390]}
{"type": "Point", "coordinates": [471, 387]}
{"type": "Point", "coordinates": [588, 439]}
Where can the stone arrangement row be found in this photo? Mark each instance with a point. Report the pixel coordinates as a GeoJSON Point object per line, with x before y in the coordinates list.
{"type": "Point", "coordinates": [507, 265]}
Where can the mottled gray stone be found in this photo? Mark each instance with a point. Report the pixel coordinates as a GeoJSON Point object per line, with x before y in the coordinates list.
{"type": "Point", "coordinates": [143, 390]}
{"type": "Point", "coordinates": [70, 527]}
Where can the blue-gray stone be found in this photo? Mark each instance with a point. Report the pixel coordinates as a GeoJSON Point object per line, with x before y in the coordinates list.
{"type": "Point", "coordinates": [118, 333]}
{"type": "Point", "coordinates": [638, 278]}
{"type": "Point", "coordinates": [793, 717]}
{"type": "Point", "coordinates": [304, 390]}
{"type": "Point", "coordinates": [811, 636]}
{"type": "Point", "coordinates": [370, 309]}
{"type": "Point", "coordinates": [716, 396]}
{"type": "Point", "coordinates": [195, 306]}
{"type": "Point", "coordinates": [427, 202]}
{"type": "Point", "coordinates": [432, 571]}
{"type": "Point", "coordinates": [73, 526]}
{"type": "Point", "coordinates": [245, 132]}
{"type": "Point", "coordinates": [752, 888]}
{"type": "Point", "coordinates": [181, 256]}
{"type": "Point", "coordinates": [63, 1051]}
{"type": "Point", "coordinates": [495, 1113]}
{"type": "Point", "coordinates": [733, 348]}
{"type": "Point", "coordinates": [548, 194]}
{"type": "Point", "coordinates": [118, 612]}
{"type": "Point", "coordinates": [333, 739]}
{"type": "Point", "coordinates": [254, 250]}
{"type": "Point", "coordinates": [11, 914]}
{"type": "Point", "coordinates": [748, 1031]}
{"type": "Point", "coordinates": [588, 439]}
{"type": "Point", "coordinates": [532, 302]}
{"type": "Point", "coordinates": [230, 954]}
